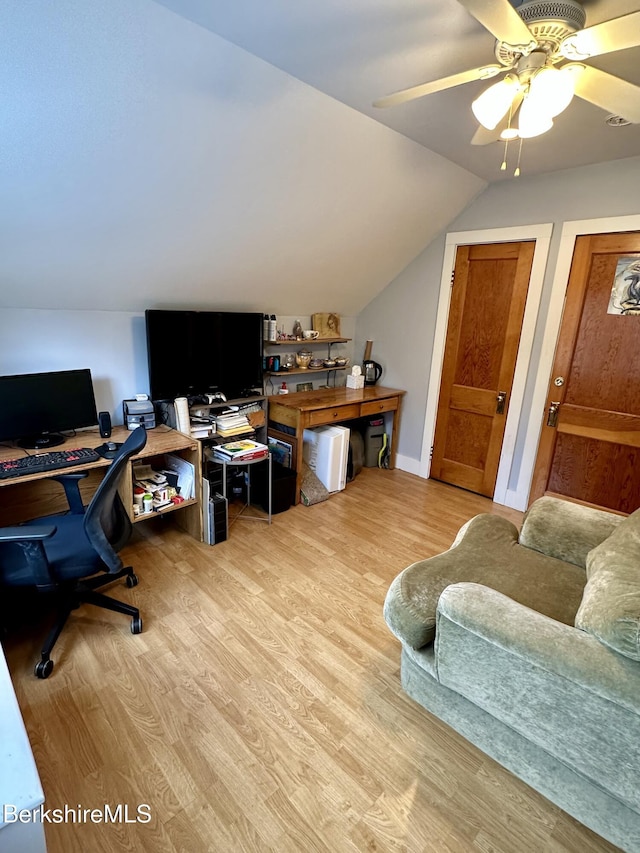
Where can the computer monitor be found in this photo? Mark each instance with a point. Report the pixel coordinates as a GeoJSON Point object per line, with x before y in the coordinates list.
{"type": "Point", "coordinates": [36, 407]}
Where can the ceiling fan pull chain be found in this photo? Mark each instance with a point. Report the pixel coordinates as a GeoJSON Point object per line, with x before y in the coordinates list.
{"type": "Point", "coordinates": [503, 167]}
{"type": "Point", "coordinates": [516, 174]}
{"type": "Point", "coordinates": [507, 137]}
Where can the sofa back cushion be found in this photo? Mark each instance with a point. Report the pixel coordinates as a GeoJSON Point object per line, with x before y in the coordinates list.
{"type": "Point", "coordinates": [610, 607]}
{"type": "Point", "coordinates": [565, 530]}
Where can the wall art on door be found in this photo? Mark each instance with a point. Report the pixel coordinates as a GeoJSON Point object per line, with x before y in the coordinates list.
{"type": "Point", "coordinates": [625, 293]}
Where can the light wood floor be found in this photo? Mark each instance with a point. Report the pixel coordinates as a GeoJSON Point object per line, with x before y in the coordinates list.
{"type": "Point", "coordinates": [261, 709]}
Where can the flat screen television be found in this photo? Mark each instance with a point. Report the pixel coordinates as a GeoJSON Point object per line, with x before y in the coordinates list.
{"type": "Point", "coordinates": [36, 407]}
{"type": "Point", "coordinates": [195, 352]}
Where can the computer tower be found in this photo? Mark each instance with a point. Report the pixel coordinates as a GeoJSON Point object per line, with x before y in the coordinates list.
{"type": "Point", "coordinates": [215, 514]}
{"type": "Point", "coordinates": [373, 442]}
{"type": "Point", "coordinates": [326, 452]}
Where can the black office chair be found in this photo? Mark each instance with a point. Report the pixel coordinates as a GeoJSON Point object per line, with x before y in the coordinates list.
{"type": "Point", "coordinates": [75, 554]}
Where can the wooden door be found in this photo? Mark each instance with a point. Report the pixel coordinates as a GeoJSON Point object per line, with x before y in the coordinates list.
{"type": "Point", "coordinates": [592, 454]}
{"type": "Point", "coordinates": [485, 319]}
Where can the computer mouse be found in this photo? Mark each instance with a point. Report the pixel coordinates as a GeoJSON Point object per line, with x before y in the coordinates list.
{"type": "Point", "coordinates": [111, 445]}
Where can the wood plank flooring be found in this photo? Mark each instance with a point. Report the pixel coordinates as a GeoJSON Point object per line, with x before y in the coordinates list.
{"type": "Point", "coordinates": [261, 709]}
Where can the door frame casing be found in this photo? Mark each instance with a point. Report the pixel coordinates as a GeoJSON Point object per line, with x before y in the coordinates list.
{"type": "Point", "coordinates": [541, 234]}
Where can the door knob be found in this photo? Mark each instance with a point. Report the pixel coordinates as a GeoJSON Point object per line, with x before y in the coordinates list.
{"type": "Point", "coordinates": [552, 416]}
{"type": "Point", "coordinates": [501, 399]}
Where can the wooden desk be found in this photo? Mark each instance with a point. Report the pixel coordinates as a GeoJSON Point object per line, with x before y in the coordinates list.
{"type": "Point", "coordinates": [34, 495]}
{"type": "Point", "coordinates": [330, 405]}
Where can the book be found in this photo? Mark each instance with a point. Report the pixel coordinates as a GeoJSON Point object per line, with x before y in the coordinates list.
{"type": "Point", "coordinates": [227, 433]}
{"type": "Point", "coordinates": [242, 457]}
{"type": "Point", "coordinates": [247, 446]}
{"type": "Point", "coordinates": [281, 451]}
{"type": "Point", "coordinates": [201, 430]}
{"type": "Point", "coordinates": [232, 424]}
{"type": "Point", "coordinates": [185, 472]}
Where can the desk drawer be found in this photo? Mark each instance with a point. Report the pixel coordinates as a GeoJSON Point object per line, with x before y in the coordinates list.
{"type": "Point", "coordinates": [378, 406]}
{"type": "Point", "coordinates": [335, 415]}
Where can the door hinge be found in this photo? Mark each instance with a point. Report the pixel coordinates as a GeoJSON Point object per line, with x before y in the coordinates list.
{"type": "Point", "coordinates": [431, 452]}
{"type": "Point", "coordinates": [453, 275]}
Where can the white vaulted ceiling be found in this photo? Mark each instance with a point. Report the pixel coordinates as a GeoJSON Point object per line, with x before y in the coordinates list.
{"type": "Point", "coordinates": [359, 50]}
{"type": "Point", "coordinates": [200, 152]}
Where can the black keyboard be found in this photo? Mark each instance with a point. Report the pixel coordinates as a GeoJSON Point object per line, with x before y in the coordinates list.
{"type": "Point", "coordinates": [50, 461]}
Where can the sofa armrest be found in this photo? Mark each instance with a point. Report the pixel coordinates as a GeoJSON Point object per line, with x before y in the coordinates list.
{"type": "Point", "coordinates": [555, 685]}
{"type": "Point", "coordinates": [565, 530]}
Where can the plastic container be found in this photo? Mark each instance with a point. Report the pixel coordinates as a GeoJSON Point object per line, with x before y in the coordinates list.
{"type": "Point", "coordinates": [273, 328]}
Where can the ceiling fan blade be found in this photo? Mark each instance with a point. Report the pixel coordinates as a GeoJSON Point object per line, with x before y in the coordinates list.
{"type": "Point", "coordinates": [482, 136]}
{"type": "Point", "coordinates": [617, 34]}
{"type": "Point", "coordinates": [483, 73]}
{"type": "Point", "coordinates": [609, 93]}
{"type": "Point", "coordinates": [501, 19]}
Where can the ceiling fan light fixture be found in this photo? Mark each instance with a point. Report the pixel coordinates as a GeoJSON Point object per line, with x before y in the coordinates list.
{"type": "Point", "coordinates": [551, 90]}
{"type": "Point", "coordinates": [533, 121]}
{"type": "Point", "coordinates": [492, 105]}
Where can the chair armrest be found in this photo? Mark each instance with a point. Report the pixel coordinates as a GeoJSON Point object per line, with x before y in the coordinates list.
{"type": "Point", "coordinates": [562, 650]}
{"type": "Point", "coordinates": [24, 534]}
{"type": "Point", "coordinates": [23, 559]}
{"type": "Point", "coordinates": [558, 687]}
{"type": "Point", "coordinates": [565, 530]}
{"type": "Point", "coordinates": [71, 485]}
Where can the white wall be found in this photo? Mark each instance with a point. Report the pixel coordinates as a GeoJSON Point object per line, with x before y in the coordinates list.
{"type": "Point", "coordinates": [401, 320]}
{"type": "Point", "coordinates": [112, 344]}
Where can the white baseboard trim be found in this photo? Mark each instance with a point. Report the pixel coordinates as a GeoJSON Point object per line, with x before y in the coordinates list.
{"type": "Point", "coordinates": [408, 464]}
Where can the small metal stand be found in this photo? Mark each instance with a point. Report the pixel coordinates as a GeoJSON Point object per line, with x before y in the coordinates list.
{"type": "Point", "coordinates": [246, 463]}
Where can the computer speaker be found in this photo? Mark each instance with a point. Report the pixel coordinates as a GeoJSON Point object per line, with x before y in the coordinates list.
{"type": "Point", "coordinates": [104, 422]}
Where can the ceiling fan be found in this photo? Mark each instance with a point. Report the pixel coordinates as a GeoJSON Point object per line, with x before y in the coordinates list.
{"type": "Point", "coordinates": [541, 48]}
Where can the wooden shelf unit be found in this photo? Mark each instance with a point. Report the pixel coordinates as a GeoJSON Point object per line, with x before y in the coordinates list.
{"type": "Point", "coordinates": [301, 344]}
{"type": "Point", "coordinates": [300, 370]}
{"type": "Point", "coordinates": [304, 341]}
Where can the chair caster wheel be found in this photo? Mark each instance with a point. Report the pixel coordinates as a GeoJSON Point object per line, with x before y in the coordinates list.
{"type": "Point", "coordinates": [136, 625]}
{"type": "Point", "coordinates": [132, 580]}
{"type": "Point", "coordinates": [44, 668]}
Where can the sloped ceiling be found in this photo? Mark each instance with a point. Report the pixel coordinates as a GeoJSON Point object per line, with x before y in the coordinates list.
{"type": "Point", "coordinates": [149, 162]}
{"type": "Point", "coordinates": [359, 50]}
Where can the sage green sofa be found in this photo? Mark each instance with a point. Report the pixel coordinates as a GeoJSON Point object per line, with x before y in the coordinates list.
{"type": "Point", "coordinates": [529, 645]}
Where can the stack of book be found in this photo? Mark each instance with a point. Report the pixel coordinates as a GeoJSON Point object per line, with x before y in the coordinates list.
{"type": "Point", "coordinates": [241, 450]}
{"type": "Point", "coordinates": [233, 423]}
{"type": "Point", "coordinates": [201, 429]}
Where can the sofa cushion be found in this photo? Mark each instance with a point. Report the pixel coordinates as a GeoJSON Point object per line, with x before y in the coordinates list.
{"type": "Point", "coordinates": [486, 551]}
{"type": "Point", "coordinates": [610, 608]}
{"type": "Point", "coordinates": [566, 530]}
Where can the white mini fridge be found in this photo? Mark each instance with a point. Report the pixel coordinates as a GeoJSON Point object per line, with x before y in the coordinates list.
{"type": "Point", "coordinates": [326, 452]}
